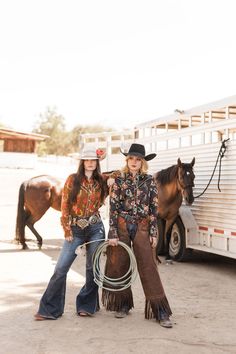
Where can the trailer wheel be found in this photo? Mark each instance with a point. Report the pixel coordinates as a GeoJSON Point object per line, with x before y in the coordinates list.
{"type": "Point", "coordinates": [160, 239]}
{"type": "Point", "coordinates": [177, 246]}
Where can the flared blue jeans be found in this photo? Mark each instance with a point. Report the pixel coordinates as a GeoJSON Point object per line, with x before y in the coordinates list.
{"type": "Point", "coordinates": [53, 300]}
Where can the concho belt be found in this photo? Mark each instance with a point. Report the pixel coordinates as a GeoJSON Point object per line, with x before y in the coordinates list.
{"type": "Point", "coordinates": [84, 222]}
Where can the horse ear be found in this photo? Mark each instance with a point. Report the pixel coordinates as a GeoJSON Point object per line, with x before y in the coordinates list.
{"type": "Point", "coordinates": [193, 162]}
{"type": "Point", "coordinates": [179, 162]}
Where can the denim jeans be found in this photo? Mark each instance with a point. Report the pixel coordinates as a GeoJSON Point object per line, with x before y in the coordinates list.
{"type": "Point", "coordinates": [53, 300]}
{"type": "Point", "coordinates": [132, 230]}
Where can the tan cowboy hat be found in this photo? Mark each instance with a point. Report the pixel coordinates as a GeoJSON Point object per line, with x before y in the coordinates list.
{"type": "Point", "coordinates": [92, 154]}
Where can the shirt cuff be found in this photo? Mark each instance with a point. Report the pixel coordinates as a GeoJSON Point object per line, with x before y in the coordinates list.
{"type": "Point", "coordinates": [153, 232]}
{"type": "Point", "coordinates": [65, 225]}
{"type": "Point", "coordinates": [112, 233]}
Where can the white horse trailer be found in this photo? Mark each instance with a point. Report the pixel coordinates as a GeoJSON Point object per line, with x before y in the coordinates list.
{"type": "Point", "coordinates": [210, 223]}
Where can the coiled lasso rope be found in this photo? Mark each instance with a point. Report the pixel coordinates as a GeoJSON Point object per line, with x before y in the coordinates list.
{"type": "Point", "coordinates": [112, 284]}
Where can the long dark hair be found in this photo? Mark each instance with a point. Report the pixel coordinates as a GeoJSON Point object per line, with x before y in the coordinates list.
{"type": "Point", "coordinates": [80, 175]}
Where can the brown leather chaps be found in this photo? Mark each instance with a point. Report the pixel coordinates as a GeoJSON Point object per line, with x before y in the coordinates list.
{"type": "Point", "coordinates": [117, 264]}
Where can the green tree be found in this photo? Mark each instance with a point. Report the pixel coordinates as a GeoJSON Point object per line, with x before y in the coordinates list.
{"type": "Point", "coordinates": [52, 124]}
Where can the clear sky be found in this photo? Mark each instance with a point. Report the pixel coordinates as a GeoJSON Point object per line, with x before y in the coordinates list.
{"type": "Point", "coordinates": [115, 63]}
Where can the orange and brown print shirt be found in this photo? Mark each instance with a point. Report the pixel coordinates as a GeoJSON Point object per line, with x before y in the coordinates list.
{"type": "Point", "coordinates": [88, 201]}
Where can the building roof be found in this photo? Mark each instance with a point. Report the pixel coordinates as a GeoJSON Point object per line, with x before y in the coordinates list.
{"type": "Point", "coordinates": [217, 109]}
{"type": "Point", "coordinates": [14, 134]}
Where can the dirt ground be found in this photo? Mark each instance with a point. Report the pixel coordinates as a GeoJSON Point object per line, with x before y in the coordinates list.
{"type": "Point", "coordinates": [201, 292]}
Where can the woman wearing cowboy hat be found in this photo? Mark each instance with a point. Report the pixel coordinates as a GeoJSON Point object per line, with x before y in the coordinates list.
{"type": "Point", "coordinates": [133, 220]}
{"type": "Point", "coordinates": [83, 194]}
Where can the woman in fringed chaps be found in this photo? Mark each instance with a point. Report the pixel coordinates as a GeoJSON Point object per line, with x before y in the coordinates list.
{"type": "Point", "coordinates": [133, 220]}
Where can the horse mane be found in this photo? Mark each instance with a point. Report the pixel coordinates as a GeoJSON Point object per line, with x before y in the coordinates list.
{"type": "Point", "coordinates": [166, 175]}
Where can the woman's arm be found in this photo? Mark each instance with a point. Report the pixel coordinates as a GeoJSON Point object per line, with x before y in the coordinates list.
{"type": "Point", "coordinates": [65, 206]}
{"type": "Point", "coordinates": [114, 209]}
{"type": "Point", "coordinates": [153, 204]}
{"type": "Point", "coordinates": [109, 178]}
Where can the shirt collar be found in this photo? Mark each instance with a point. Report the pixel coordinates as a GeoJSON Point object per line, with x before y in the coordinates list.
{"type": "Point", "coordinates": [139, 176]}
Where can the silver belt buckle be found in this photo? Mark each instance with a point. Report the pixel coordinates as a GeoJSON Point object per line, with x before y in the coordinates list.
{"type": "Point", "coordinates": [93, 219]}
{"type": "Point", "coordinates": [82, 223]}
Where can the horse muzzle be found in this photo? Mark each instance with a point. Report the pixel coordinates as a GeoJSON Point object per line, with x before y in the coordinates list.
{"type": "Point", "coordinates": [188, 195]}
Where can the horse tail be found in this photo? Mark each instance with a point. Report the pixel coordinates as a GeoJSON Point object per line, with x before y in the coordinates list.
{"type": "Point", "coordinates": [21, 216]}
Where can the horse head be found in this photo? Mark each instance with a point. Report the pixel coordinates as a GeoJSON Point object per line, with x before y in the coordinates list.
{"type": "Point", "coordinates": [186, 179]}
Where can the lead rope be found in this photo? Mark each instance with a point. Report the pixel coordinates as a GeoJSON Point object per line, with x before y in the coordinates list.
{"type": "Point", "coordinates": [220, 156]}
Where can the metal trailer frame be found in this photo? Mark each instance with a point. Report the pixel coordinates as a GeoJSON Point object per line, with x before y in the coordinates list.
{"type": "Point", "coordinates": [210, 223]}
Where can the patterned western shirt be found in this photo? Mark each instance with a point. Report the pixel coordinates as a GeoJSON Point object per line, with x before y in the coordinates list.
{"type": "Point", "coordinates": [87, 203]}
{"type": "Point", "coordinates": [133, 198]}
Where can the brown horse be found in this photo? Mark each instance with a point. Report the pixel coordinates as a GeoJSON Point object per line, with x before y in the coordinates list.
{"type": "Point", "coordinates": [36, 196]}
{"type": "Point", "coordinates": [174, 183]}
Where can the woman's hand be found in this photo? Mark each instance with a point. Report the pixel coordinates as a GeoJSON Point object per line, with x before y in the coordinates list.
{"type": "Point", "coordinates": [110, 181]}
{"type": "Point", "coordinates": [69, 238]}
{"type": "Point", "coordinates": [153, 241]}
{"type": "Point", "coordinates": [113, 242]}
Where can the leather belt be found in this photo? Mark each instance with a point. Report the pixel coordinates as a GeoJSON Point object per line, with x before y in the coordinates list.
{"type": "Point", "coordinates": [133, 219]}
{"type": "Point", "coordinates": [84, 222]}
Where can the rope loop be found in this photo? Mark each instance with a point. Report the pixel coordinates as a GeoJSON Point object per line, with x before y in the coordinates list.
{"type": "Point", "coordinates": [114, 284]}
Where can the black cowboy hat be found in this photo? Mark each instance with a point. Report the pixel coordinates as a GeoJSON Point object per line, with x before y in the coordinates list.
{"type": "Point", "coordinates": [138, 150]}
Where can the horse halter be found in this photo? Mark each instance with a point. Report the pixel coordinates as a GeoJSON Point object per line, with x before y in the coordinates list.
{"type": "Point", "coordinates": [181, 179]}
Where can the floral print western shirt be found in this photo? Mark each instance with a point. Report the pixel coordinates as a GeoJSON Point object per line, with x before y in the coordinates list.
{"type": "Point", "coordinates": [88, 201]}
{"type": "Point", "coordinates": [133, 198]}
